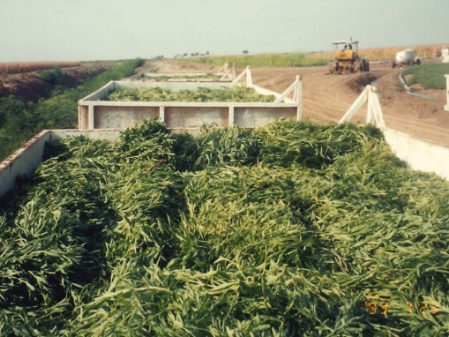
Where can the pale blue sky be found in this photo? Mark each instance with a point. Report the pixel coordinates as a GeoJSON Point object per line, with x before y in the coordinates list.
{"type": "Point", "coordinates": [41, 30]}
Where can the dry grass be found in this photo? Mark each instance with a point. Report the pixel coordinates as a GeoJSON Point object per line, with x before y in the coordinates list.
{"type": "Point", "coordinates": [23, 67]}
{"type": "Point", "coordinates": [423, 51]}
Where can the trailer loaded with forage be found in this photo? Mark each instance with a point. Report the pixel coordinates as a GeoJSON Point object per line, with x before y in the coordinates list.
{"type": "Point", "coordinates": [290, 229]}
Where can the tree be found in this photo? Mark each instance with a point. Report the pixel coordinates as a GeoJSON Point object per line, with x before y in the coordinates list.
{"type": "Point", "coordinates": [245, 52]}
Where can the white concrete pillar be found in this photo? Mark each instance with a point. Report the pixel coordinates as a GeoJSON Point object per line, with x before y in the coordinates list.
{"type": "Point", "coordinates": [91, 121]}
{"type": "Point", "coordinates": [231, 116]}
{"type": "Point", "coordinates": [298, 98]}
{"type": "Point", "coordinates": [162, 113]}
{"type": "Point", "coordinates": [446, 107]}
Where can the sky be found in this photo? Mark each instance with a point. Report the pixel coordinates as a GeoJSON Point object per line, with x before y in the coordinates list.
{"type": "Point", "coordinates": [87, 30]}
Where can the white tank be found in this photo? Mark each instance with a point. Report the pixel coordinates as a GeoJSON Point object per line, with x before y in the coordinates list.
{"type": "Point", "coordinates": [406, 57]}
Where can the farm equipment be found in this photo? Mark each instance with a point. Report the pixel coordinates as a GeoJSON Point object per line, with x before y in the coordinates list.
{"type": "Point", "coordinates": [406, 57]}
{"type": "Point", "coordinates": [347, 59]}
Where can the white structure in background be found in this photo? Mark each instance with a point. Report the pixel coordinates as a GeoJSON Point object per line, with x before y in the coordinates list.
{"type": "Point", "coordinates": [445, 54]}
{"type": "Point", "coordinates": [227, 72]}
{"type": "Point", "coordinates": [406, 57]}
{"type": "Point", "coordinates": [374, 112]}
{"type": "Point", "coordinates": [419, 155]}
{"type": "Point", "coordinates": [446, 107]}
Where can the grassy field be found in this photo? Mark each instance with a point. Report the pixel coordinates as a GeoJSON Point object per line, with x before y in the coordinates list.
{"type": "Point", "coordinates": [262, 60]}
{"type": "Point", "coordinates": [430, 76]}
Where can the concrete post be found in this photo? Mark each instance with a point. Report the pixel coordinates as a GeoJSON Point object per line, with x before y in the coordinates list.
{"type": "Point", "coordinates": [231, 116]}
{"type": "Point", "coordinates": [446, 107]}
{"type": "Point", "coordinates": [162, 113]}
{"type": "Point", "coordinates": [91, 120]}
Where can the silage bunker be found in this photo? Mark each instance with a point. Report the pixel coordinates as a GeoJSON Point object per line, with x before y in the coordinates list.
{"type": "Point", "coordinates": [95, 112]}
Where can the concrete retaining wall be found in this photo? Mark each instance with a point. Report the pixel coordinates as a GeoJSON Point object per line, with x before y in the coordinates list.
{"type": "Point", "coordinates": [446, 107]}
{"type": "Point", "coordinates": [96, 113]}
{"type": "Point", "coordinates": [23, 161]}
{"type": "Point", "coordinates": [26, 159]}
{"type": "Point", "coordinates": [419, 155]}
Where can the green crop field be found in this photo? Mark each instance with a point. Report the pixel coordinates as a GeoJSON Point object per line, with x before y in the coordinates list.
{"type": "Point", "coordinates": [262, 60]}
{"type": "Point", "coordinates": [291, 229]}
{"type": "Point", "coordinates": [430, 76]}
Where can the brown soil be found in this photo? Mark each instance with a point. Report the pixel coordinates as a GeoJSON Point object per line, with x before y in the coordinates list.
{"type": "Point", "coordinates": [327, 97]}
{"type": "Point", "coordinates": [29, 87]}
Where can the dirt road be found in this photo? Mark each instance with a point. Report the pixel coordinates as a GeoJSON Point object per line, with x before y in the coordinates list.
{"type": "Point", "coordinates": [327, 97]}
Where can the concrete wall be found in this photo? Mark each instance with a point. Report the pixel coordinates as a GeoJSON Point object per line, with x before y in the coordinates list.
{"type": "Point", "coordinates": [114, 117]}
{"type": "Point", "coordinates": [250, 118]}
{"type": "Point", "coordinates": [110, 135]}
{"type": "Point", "coordinates": [96, 113]}
{"type": "Point", "coordinates": [26, 159]}
{"type": "Point", "coordinates": [419, 155]}
{"type": "Point", "coordinates": [195, 117]}
{"type": "Point", "coordinates": [23, 161]}
{"type": "Point", "coordinates": [446, 107]}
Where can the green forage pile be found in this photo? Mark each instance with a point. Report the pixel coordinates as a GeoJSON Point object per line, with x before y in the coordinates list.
{"type": "Point", "coordinates": [292, 229]}
{"type": "Point", "coordinates": [202, 94]}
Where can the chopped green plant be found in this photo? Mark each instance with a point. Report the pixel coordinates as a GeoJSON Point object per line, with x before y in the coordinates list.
{"type": "Point", "coordinates": [291, 229]}
{"type": "Point", "coordinates": [187, 77]}
{"type": "Point", "coordinates": [202, 94]}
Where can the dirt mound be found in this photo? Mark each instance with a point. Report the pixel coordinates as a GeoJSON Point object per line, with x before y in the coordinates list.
{"type": "Point", "coordinates": [25, 87]}
{"type": "Point", "coordinates": [357, 82]}
{"type": "Point", "coordinates": [30, 87]}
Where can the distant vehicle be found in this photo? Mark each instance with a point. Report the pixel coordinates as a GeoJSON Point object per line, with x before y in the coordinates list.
{"type": "Point", "coordinates": [347, 59]}
{"type": "Point", "coordinates": [406, 57]}
{"type": "Point", "coordinates": [445, 55]}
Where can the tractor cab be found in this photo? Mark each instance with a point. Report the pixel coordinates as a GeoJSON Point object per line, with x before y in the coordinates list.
{"type": "Point", "coordinates": [347, 58]}
{"type": "Point", "coordinates": [346, 50]}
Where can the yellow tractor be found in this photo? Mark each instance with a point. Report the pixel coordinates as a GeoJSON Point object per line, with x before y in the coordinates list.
{"type": "Point", "coordinates": [347, 60]}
